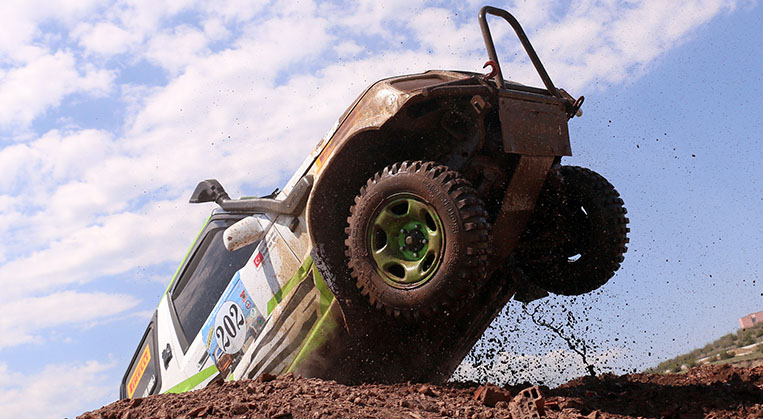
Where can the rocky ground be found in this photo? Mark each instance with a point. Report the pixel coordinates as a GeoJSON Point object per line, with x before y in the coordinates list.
{"type": "Point", "coordinates": [703, 392]}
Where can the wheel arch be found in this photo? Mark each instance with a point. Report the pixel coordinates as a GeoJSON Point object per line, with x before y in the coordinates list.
{"type": "Point", "coordinates": [368, 151]}
{"type": "Point", "coordinates": [339, 182]}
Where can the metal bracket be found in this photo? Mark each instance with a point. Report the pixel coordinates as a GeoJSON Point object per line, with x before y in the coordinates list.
{"type": "Point", "coordinates": [480, 104]}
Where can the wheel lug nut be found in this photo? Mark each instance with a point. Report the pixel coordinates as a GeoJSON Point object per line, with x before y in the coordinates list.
{"type": "Point", "coordinates": [415, 254]}
{"type": "Point", "coordinates": [402, 231]}
{"type": "Point", "coordinates": [402, 248]}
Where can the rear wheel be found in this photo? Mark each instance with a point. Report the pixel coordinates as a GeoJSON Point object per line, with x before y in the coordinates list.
{"type": "Point", "coordinates": [577, 236]}
{"type": "Point", "coordinates": [417, 239]}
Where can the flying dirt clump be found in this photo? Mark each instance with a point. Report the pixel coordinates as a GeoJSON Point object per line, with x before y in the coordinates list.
{"type": "Point", "coordinates": [704, 392]}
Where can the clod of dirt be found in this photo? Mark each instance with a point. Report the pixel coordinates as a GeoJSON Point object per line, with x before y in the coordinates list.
{"type": "Point", "coordinates": [720, 392]}
{"type": "Point", "coordinates": [490, 395]}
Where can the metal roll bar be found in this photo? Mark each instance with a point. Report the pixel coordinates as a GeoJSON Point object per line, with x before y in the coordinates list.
{"type": "Point", "coordinates": [490, 46]}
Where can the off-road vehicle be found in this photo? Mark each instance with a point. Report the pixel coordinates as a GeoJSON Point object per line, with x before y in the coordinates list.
{"type": "Point", "coordinates": [435, 199]}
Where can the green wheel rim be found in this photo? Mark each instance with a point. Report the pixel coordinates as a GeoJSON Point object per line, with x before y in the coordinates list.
{"type": "Point", "coordinates": [406, 240]}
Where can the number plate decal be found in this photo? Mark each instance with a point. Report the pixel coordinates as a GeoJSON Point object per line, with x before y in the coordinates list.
{"type": "Point", "coordinates": [232, 326]}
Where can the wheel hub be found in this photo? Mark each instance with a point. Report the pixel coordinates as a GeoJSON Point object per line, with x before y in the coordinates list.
{"type": "Point", "coordinates": [406, 240]}
{"type": "Point", "coordinates": [415, 240]}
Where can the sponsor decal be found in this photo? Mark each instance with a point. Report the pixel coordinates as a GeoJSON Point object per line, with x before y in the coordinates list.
{"type": "Point", "coordinates": [145, 358]}
{"type": "Point", "coordinates": [232, 326]}
{"type": "Point", "coordinates": [150, 386]}
{"type": "Point", "coordinates": [209, 337]}
{"type": "Point", "coordinates": [264, 248]}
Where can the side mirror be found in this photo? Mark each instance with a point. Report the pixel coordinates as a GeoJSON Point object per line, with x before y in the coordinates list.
{"type": "Point", "coordinates": [209, 190]}
{"type": "Point", "coordinates": [243, 233]}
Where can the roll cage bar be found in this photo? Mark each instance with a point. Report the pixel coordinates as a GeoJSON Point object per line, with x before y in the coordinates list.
{"type": "Point", "coordinates": [490, 46]}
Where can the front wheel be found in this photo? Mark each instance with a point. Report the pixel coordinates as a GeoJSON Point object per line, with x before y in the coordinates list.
{"type": "Point", "coordinates": [417, 239]}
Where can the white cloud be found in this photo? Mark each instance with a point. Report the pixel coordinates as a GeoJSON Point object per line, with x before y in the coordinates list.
{"type": "Point", "coordinates": [143, 18]}
{"type": "Point", "coordinates": [58, 390]}
{"type": "Point", "coordinates": [613, 41]}
{"type": "Point", "coordinates": [177, 48]}
{"type": "Point", "coordinates": [370, 17]}
{"type": "Point", "coordinates": [530, 13]}
{"type": "Point", "coordinates": [42, 202]}
{"type": "Point", "coordinates": [25, 319]}
{"type": "Point", "coordinates": [215, 30]}
{"type": "Point", "coordinates": [21, 19]}
{"type": "Point", "coordinates": [235, 10]}
{"type": "Point", "coordinates": [104, 38]}
{"type": "Point", "coordinates": [28, 91]}
{"type": "Point", "coordinates": [36, 73]}
{"type": "Point", "coordinates": [459, 40]}
{"type": "Point", "coordinates": [347, 49]}
{"type": "Point", "coordinates": [114, 244]}
{"type": "Point", "coordinates": [53, 158]}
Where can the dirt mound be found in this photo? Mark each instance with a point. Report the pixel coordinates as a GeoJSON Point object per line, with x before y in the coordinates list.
{"type": "Point", "coordinates": [703, 392]}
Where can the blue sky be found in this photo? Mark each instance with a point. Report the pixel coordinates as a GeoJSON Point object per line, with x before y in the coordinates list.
{"type": "Point", "coordinates": [112, 111]}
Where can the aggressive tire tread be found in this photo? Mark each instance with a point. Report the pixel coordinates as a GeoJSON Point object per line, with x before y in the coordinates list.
{"type": "Point", "coordinates": [446, 290]}
{"type": "Point", "coordinates": [604, 240]}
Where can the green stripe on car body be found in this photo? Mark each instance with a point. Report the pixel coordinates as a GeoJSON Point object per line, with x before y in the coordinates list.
{"type": "Point", "coordinates": [326, 295]}
{"type": "Point", "coordinates": [193, 381]}
{"type": "Point", "coordinates": [290, 284]}
{"type": "Point", "coordinates": [322, 331]}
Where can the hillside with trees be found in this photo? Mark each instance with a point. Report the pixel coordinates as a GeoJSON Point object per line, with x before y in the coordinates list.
{"type": "Point", "coordinates": [743, 348]}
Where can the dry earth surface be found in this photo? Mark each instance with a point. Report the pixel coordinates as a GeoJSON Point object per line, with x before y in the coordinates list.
{"type": "Point", "coordinates": [702, 392]}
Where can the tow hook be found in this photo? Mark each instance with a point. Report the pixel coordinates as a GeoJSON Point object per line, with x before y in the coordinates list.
{"type": "Point", "coordinates": [493, 70]}
{"type": "Point", "coordinates": [573, 105]}
{"type": "Point", "coordinates": [575, 111]}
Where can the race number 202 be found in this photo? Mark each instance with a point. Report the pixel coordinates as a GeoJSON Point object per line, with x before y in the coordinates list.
{"type": "Point", "coordinates": [230, 327]}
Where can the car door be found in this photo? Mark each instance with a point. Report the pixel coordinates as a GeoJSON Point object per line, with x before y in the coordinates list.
{"type": "Point", "coordinates": [189, 302]}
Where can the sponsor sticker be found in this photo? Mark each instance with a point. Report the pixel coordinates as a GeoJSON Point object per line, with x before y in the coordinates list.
{"type": "Point", "coordinates": [258, 260]}
{"type": "Point", "coordinates": [264, 248]}
{"type": "Point", "coordinates": [145, 358]}
{"type": "Point", "coordinates": [232, 325]}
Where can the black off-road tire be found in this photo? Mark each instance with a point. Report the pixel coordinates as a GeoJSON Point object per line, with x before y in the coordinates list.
{"type": "Point", "coordinates": [578, 234]}
{"type": "Point", "coordinates": [460, 269]}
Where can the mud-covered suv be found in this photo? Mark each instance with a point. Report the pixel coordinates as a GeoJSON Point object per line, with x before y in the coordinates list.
{"type": "Point", "coordinates": [435, 199]}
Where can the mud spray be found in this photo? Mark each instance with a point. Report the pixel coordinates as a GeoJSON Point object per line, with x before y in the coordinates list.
{"type": "Point", "coordinates": [543, 342]}
{"type": "Point", "coordinates": [576, 345]}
